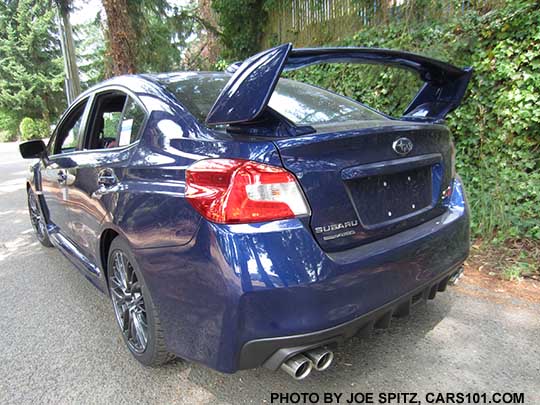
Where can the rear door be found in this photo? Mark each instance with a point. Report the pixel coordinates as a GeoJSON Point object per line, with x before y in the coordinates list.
{"type": "Point", "coordinates": [115, 124]}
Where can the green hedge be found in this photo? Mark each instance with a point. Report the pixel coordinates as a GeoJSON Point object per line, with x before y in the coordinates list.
{"type": "Point", "coordinates": [33, 129]}
{"type": "Point", "coordinates": [8, 127]}
{"type": "Point", "coordinates": [497, 128]}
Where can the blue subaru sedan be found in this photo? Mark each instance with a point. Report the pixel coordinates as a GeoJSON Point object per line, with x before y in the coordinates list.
{"type": "Point", "coordinates": [241, 219]}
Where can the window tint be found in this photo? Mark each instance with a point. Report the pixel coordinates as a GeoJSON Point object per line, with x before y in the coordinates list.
{"type": "Point", "coordinates": [116, 121]}
{"type": "Point", "coordinates": [111, 121]}
{"type": "Point", "coordinates": [301, 103]}
{"type": "Point", "coordinates": [304, 104]}
{"type": "Point", "coordinates": [197, 92]}
{"type": "Point", "coordinates": [132, 121]}
{"type": "Point", "coordinates": [70, 131]}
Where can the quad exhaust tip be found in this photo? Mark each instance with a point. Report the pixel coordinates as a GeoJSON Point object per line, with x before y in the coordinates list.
{"type": "Point", "coordinates": [298, 367]}
{"type": "Point", "coordinates": [301, 365]}
{"type": "Point", "coordinates": [321, 358]}
{"type": "Point", "coordinates": [456, 276]}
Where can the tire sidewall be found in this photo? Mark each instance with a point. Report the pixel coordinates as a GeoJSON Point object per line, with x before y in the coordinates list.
{"type": "Point", "coordinates": [44, 237]}
{"type": "Point", "coordinates": [150, 353]}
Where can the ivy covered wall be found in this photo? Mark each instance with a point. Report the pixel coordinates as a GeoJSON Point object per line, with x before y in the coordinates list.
{"type": "Point", "coordinates": [497, 127]}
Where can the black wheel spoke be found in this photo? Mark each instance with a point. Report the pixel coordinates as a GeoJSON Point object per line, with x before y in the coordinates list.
{"type": "Point", "coordinates": [123, 316]}
{"type": "Point", "coordinates": [135, 287]}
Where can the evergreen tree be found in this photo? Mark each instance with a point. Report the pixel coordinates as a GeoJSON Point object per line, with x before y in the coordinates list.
{"type": "Point", "coordinates": [94, 64]}
{"type": "Point", "coordinates": [161, 33]}
{"type": "Point", "coordinates": [31, 71]}
{"type": "Point", "coordinates": [149, 35]}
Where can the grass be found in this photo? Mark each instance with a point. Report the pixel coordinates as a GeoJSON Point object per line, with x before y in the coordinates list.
{"type": "Point", "coordinates": [512, 260]}
{"type": "Point", "coordinates": [516, 271]}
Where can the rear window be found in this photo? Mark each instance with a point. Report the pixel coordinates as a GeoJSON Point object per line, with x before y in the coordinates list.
{"type": "Point", "coordinates": [301, 103]}
{"type": "Point", "coordinates": [305, 104]}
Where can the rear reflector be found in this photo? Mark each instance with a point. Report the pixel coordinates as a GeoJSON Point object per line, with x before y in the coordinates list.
{"type": "Point", "coordinates": [233, 191]}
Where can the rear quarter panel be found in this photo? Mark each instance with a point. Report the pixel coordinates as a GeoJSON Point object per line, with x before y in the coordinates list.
{"type": "Point", "coordinates": [149, 208]}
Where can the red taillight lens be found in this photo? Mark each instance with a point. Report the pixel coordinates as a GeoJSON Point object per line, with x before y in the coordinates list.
{"type": "Point", "coordinates": [232, 191]}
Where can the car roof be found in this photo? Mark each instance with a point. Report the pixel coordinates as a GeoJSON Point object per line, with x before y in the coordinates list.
{"type": "Point", "coordinates": [149, 84]}
{"type": "Point", "coordinates": [169, 77]}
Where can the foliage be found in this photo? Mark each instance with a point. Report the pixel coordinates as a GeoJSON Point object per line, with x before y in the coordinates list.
{"type": "Point", "coordinates": [92, 60]}
{"type": "Point", "coordinates": [162, 32]}
{"type": "Point", "coordinates": [221, 65]}
{"type": "Point", "coordinates": [8, 127]}
{"type": "Point", "coordinates": [8, 124]}
{"type": "Point", "coordinates": [33, 129]}
{"type": "Point", "coordinates": [148, 35]}
{"type": "Point", "coordinates": [497, 127]}
{"type": "Point", "coordinates": [516, 271]}
{"type": "Point", "coordinates": [241, 23]}
{"type": "Point", "coordinates": [31, 73]}
{"type": "Point", "coordinates": [7, 136]}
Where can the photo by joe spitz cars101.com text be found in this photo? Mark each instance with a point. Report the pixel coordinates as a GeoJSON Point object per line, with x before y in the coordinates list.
{"type": "Point", "coordinates": [241, 219]}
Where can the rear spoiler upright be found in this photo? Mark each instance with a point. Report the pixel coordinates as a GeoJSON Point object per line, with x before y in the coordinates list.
{"type": "Point", "coordinates": [247, 93]}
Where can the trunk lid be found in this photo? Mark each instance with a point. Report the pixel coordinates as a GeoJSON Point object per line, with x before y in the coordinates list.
{"type": "Point", "coordinates": [360, 189]}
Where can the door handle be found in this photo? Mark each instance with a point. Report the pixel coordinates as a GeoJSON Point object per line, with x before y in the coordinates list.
{"type": "Point", "coordinates": [62, 177]}
{"type": "Point", "coordinates": [107, 178]}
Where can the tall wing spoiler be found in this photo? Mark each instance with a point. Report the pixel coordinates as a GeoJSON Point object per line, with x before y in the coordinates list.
{"type": "Point", "coordinates": [247, 93]}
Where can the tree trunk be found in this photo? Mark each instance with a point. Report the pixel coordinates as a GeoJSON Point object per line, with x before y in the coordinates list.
{"type": "Point", "coordinates": [121, 39]}
{"type": "Point", "coordinates": [73, 84]}
{"type": "Point", "coordinates": [70, 50]}
{"type": "Point", "coordinates": [210, 40]}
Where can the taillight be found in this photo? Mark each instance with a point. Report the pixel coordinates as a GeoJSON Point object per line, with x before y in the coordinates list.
{"type": "Point", "coordinates": [232, 191]}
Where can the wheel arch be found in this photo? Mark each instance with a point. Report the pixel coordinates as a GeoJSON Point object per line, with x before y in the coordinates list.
{"type": "Point", "coordinates": [30, 186]}
{"type": "Point", "coordinates": [105, 241]}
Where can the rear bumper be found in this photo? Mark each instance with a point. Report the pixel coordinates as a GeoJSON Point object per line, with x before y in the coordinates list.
{"type": "Point", "coordinates": [272, 352]}
{"type": "Point", "coordinates": [238, 294]}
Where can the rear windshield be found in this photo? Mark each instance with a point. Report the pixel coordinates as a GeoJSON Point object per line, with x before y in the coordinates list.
{"type": "Point", "coordinates": [300, 103]}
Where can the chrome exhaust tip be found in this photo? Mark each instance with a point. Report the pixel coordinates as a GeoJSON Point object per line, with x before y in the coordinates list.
{"type": "Point", "coordinates": [456, 276]}
{"type": "Point", "coordinates": [321, 358]}
{"type": "Point", "coordinates": [298, 367]}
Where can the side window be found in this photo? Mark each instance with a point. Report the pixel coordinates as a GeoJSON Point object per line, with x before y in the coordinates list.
{"type": "Point", "coordinates": [132, 121]}
{"type": "Point", "coordinates": [111, 120]}
{"type": "Point", "coordinates": [116, 121]}
{"type": "Point", "coordinates": [70, 131]}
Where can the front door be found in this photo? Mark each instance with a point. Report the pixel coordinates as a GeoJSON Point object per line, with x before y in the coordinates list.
{"type": "Point", "coordinates": [56, 179]}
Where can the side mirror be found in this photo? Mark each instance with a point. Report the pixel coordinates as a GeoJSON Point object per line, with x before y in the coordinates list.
{"type": "Point", "coordinates": [33, 149]}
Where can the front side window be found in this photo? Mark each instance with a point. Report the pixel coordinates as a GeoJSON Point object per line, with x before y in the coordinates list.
{"type": "Point", "coordinates": [70, 131]}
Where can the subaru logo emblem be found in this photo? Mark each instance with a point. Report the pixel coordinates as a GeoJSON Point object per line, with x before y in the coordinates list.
{"type": "Point", "coordinates": [402, 146]}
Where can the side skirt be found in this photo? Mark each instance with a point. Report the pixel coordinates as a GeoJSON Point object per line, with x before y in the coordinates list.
{"type": "Point", "coordinates": [83, 264]}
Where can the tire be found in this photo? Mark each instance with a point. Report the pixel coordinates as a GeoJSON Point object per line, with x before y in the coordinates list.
{"type": "Point", "coordinates": [134, 310]}
{"type": "Point", "coordinates": [38, 222]}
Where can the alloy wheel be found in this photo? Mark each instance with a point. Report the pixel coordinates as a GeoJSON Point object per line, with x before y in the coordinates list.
{"type": "Point", "coordinates": [35, 217]}
{"type": "Point", "coordinates": [128, 302]}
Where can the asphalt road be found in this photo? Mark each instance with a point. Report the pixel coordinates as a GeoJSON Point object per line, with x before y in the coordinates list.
{"type": "Point", "coordinates": [59, 342]}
